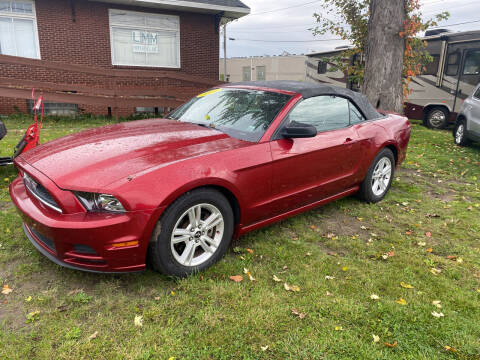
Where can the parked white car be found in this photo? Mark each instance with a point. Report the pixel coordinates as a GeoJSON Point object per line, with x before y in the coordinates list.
{"type": "Point", "coordinates": [467, 128]}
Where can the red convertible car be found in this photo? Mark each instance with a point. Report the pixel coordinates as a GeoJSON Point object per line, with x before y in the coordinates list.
{"type": "Point", "coordinates": [175, 191]}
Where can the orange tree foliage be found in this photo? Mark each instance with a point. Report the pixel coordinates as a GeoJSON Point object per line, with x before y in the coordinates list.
{"type": "Point", "coordinates": [348, 19]}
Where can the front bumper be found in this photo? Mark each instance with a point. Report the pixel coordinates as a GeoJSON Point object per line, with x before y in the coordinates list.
{"type": "Point", "coordinates": [83, 241]}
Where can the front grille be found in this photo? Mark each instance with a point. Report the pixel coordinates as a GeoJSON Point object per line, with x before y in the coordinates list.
{"type": "Point", "coordinates": [39, 192]}
{"type": "Point", "coordinates": [44, 239]}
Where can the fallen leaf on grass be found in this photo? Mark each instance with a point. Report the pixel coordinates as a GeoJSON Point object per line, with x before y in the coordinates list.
{"type": "Point", "coordinates": [452, 257]}
{"type": "Point", "coordinates": [437, 303]}
{"type": "Point", "coordinates": [28, 299]}
{"type": "Point", "coordinates": [449, 348]}
{"type": "Point", "coordinates": [401, 301]}
{"type": "Point", "coordinates": [392, 345]}
{"type": "Point", "coordinates": [313, 227]}
{"type": "Point", "coordinates": [338, 328]}
{"type": "Point", "coordinates": [247, 272]}
{"type": "Point", "coordinates": [435, 271]}
{"type": "Point", "coordinates": [298, 313]}
{"type": "Point", "coordinates": [374, 297]}
{"type": "Point", "coordinates": [250, 251]}
{"type": "Point", "coordinates": [376, 338]}
{"type": "Point", "coordinates": [437, 315]}
{"type": "Point", "coordinates": [345, 268]}
{"type": "Point", "coordinates": [405, 285]}
{"type": "Point", "coordinates": [276, 279]}
{"type": "Point", "coordinates": [422, 244]}
{"type": "Point", "coordinates": [430, 250]}
{"type": "Point", "coordinates": [93, 336]}
{"type": "Point", "coordinates": [138, 321]}
{"type": "Point", "coordinates": [391, 253]}
{"type": "Point", "coordinates": [236, 278]}
{"type": "Point", "coordinates": [293, 288]}
{"type": "Point", "coordinates": [156, 298]}
{"type": "Point", "coordinates": [328, 277]}
{"type": "Point", "coordinates": [428, 234]}
{"type": "Point", "coordinates": [328, 293]}
{"type": "Point", "coordinates": [308, 254]}
{"type": "Point", "coordinates": [32, 316]}
{"type": "Point", "coordinates": [6, 290]}
{"type": "Point", "coordinates": [264, 348]}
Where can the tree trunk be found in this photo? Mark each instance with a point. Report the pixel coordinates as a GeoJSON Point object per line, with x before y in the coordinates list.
{"type": "Point", "coordinates": [384, 55]}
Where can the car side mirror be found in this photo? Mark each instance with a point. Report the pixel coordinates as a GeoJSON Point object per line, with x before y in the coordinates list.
{"type": "Point", "coordinates": [297, 130]}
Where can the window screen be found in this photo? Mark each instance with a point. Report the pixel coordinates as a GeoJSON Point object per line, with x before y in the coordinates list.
{"type": "Point", "coordinates": [143, 39]}
{"type": "Point", "coordinates": [324, 112]}
{"type": "Point", "coordinates": [18, 29]}
{"type": "Point", "coordinates": [247, 73]}
{"type": "Point", "coordinates": [261, 73]}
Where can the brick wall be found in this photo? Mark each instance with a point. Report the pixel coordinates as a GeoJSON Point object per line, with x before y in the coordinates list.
{"type": "Point", "coordinates": [81, 36]}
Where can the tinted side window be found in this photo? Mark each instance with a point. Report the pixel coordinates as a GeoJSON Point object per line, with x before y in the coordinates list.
{"type": "Point", "coordinates": [477, 94]}
{"type": "Point", "coordinates": [472, 63]}
{"type": "Point", "coordinates": [356, 116]}
{"type": "Point", "coordinates": [324, 112]}
{"type": "Point", "coordinates": [453, 62]}
{"type": "Point", "coordinates": [432, 67]}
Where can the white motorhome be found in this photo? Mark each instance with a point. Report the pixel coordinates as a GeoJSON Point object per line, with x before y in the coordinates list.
{"type": "Point", "coordinates": [438, 93]}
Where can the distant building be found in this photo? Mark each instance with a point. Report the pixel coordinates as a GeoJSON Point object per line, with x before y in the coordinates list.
{"type": "Point", "coordinates": [109, 56]}
{"type": "Point", "coordinates": [288, 67]}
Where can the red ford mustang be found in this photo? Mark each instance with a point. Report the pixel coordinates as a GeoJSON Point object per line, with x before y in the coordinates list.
{"type": "Point", "coordinates": [177, 190]}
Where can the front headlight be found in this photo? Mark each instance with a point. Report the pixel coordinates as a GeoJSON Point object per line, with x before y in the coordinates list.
{"type": "Point", "coordinates": [100, 202]}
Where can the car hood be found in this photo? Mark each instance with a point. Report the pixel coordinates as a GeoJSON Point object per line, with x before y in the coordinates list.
{"type": "Point", "coordinates": [92, 159]}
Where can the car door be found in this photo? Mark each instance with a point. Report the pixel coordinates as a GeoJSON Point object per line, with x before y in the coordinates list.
{"type": "Point", "coordinates": [474, 121]}
{"type": "Point", "coordinates": [308, 170]}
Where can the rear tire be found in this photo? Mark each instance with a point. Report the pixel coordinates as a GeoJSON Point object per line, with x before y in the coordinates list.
{"type": "Point", "coordinates": [379, 178]}
{"type": "Point", "coordinates": [437, 118]}
{"type": "Point", "coordinates": [193, 234]}
{"type": "Point", "coordinates": [460, 134]}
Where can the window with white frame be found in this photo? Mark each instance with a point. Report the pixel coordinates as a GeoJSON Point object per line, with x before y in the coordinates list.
{"type": "Point", "coordinates": [143, 39]}
{"type": "Point", "coordinates": [18, 29]}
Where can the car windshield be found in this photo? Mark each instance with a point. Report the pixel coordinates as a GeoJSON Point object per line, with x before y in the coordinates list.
{"type": "Point", "coordinates": [242, 114]}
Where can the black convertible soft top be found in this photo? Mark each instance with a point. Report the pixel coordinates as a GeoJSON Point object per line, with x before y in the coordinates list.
{"type": "Point", "coordinates": [308, 90]}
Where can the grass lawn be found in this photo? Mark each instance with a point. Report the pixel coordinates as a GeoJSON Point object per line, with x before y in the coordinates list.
{"type": "Point", "coordinates": [420, 245]}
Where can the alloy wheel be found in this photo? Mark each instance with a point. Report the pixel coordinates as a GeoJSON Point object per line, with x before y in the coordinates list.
{"type": "Point", "coordinates": [381, 176]}
{"type": "Point", "coordinates": [197, 235]}
{"type": "Point", "coordinates": [459, 134]}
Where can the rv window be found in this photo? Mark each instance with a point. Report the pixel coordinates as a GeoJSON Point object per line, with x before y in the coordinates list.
{"type": "Point", "coordinates": [432, 67]}
{"type": "Point", "coordinates": [453, 61]}
{"type": "Point", "coordinates": [322, 67]}
{"type": "Point", "coordinates": [472, 63]}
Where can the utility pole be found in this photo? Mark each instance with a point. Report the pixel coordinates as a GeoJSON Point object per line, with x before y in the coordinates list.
{"type": "Point", "coordinates": [225, 52]}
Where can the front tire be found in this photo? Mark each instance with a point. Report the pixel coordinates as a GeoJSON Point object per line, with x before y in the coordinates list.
{"type": "Point", "coordinates": [460, 134]}
{"type": "Point", "coordinates": [193, 233]}
{"type": "Point", "coordinates": [379, 178]}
